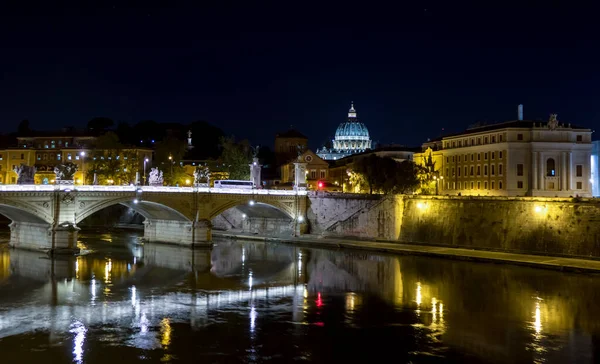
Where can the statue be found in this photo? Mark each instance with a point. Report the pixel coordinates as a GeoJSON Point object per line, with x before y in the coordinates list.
{"type": "Point", "coordinates": [65, 173]}
{"type": "Point", "coordinates": [25, 174]}
{"type": "Point", "coordinates": [202, 174]}
{"type": "Point", "coordinates": [553, 122]}
{"type": "Point", "coordinates": [299, 149]}
{"type": "Point", "coordinates": [255, 151]}
{"type": "Point", "coordinates": [155, 177]}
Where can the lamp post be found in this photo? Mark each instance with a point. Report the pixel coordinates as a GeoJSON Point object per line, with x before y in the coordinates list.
{"type": "Point", "coordinates": [171, 160]}
{"type": "Point", "coordinates": [82, 156]}
{"type": "Point", "coordinates": [145, 161]}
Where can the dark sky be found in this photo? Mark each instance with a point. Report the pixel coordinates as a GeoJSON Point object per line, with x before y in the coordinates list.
{"type": "Point", "coordinates": [255, 69]}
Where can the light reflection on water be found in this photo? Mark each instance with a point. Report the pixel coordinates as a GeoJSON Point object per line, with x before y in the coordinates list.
{"type": "Point", "coordinates": [248, 301]}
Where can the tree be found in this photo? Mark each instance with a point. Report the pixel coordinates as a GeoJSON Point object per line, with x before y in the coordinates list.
{"type": "Point", "coordinates": [99, 124]}
{"type": "Point", "coordinates": [385, 175]}
{"type": "Point", "coordinates": [236, 157]}
{"type": "Point", "coordinates": [168, 155]}
{"type": "Point", "coordinates": [111, 161]}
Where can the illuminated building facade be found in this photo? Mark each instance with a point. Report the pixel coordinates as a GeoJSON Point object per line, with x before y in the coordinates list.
{"type": "Point", "coordinates": [47, 150]}
{"type": "Point", "coordinates": [515, 158]}
{"type": "Point", "coordinates": [351, 137]}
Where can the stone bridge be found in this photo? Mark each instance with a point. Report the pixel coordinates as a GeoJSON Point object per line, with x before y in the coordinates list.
{"type": "Point", "coordinates": [46, 216]}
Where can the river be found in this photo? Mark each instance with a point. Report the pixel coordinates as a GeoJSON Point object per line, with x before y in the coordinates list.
{"type": "Point", "coordinates": [247, 302]}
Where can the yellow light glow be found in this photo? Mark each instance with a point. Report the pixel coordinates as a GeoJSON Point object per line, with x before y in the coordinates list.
{"type": "Point", "coordinates": [107, 270]}
{"type": "Point", "coordinates": [419, 297]}
{"type": "Point", "coordinates": [305, 293]}
{"type": "Point", "coordinates": [187, 181]}
{"type": "Point", "coordinates": [165, 329]}
{"type": "Point", "coordinates": [421, 205]}
{"type": "Point", "coordinates": [540, 209]}
{"type": "Point", "coordinates": [537, 324]}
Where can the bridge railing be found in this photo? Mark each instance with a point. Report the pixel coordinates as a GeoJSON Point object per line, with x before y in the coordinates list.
{"type": "Point", "coordinates": [96, 188]}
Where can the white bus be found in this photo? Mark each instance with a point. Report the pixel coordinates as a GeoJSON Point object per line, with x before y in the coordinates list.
{"type": "Point", "coordinates": [234, 184]}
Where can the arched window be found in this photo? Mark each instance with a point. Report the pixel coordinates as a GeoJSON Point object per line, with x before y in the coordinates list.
{"type": "Point", "coordinates": [550, 168]}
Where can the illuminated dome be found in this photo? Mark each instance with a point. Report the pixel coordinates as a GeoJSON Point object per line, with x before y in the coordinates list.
{"type": "Point", "coordinates": [352, 136]}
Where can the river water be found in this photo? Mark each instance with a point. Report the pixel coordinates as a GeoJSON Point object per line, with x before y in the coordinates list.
{"type": "Point", "coordinates": [122, 302]}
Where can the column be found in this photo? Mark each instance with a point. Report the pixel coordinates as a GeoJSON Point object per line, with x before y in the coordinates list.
{"type": "Point", "coordinates": [300, 178]}
{"type": "Point", "coordinates": [570, 172]}
{"type": "Point", "coordinates": [534, 171]}
{"type": "Point", "coordinates": [255, 169]}
{"type": "Point", "coordinates": [587, 173]}
{"type": "Point", "coordinates": [563, 171]}
{"type": "Point", "coordinates": [542, 167]}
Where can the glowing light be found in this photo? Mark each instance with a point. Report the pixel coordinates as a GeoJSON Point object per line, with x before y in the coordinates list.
{"type": "Point", "coordinates": [251, 203]}
{"type": "Point", "coordinates": [244, 252]}
{"type": "Point", "coordinates": [146, 160]}
{"type": "Point", "coordinates": [77, 267]}
{"type": "Point", "coordinates": [250, 280]}
{"type": "Point", "coordinates": [82, 154]}
{"type": "Point", "coordinates": [93, 290]}
{"type": "Point", "coordinates": [243, 216]}
{"type": "Point", "coordinates": [539, 209]}
{"type": "Point", "coordinates": [305, 294]}
{"type": "Point", "coordinates": [165, 330]}
{"type": "Point", "coordinates": [253, 315]}
{"type": "Point", "coordinates": [320, 184]}
{"type": "Point", "coordinates": [187, 181]}
{"type": "Point", "coordinates": [133, 295]}
{"type": "Point", "coordinates": [419, 297]}
{"type": "Point", "coordinates": [537, 324]}
{"type": "Point", "coordinates": [300, 218]}
{"type": "Point", "coordinates": [421, 205]}
{"type": "Point", "coordinates": [319, 301]}
{"type": "Point", "coordinates": [107, 270]}
{"type": "Point", "coordinates": [135, 201]}
{"type": "Point", "coordinates": [79, 330]}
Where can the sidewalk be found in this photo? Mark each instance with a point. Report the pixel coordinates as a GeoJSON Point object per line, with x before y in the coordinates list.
{"type": "Point", "coordinates": [537, 261]}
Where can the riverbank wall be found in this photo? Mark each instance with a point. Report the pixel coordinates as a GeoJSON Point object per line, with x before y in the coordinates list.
{"type": "Point", "coordinates": [547, 226]}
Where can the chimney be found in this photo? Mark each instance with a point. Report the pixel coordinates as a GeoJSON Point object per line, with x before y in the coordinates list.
{"type": "Point", "coordinates": [520, 112]}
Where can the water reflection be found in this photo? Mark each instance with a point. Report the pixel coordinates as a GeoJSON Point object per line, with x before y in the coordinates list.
{"type": "Point", "coordinates": [249, 300]}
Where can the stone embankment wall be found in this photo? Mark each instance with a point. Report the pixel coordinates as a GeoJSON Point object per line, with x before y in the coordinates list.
{"type": "Point", "coordinates": [552, 226]}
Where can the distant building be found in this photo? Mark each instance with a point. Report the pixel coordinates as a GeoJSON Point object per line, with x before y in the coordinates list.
{"type": "Point", "coordinates": [45, 150]}
{"type": "Point", "coordinates": [316, 169]}
{"type": "Point", "coordinates": [514, 158]}
{"type": "Point", "coordinates": [288, 144]}
{"type": "Point", "coordinates": [351, 137]}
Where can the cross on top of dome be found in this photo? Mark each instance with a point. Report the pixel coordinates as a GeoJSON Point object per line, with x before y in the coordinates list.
{"type": "Point", "coordinates": [352, 112]}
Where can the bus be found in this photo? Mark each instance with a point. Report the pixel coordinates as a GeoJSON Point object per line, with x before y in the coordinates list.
{"type": "Point", "coordinates": [234, 184]}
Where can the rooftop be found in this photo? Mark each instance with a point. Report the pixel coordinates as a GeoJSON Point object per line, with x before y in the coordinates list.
{"type": "Point", "coordinates": [292, 133]}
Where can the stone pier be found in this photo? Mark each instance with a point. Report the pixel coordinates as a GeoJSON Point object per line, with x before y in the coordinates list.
{"type": "Point", "coordinates": [178, 232]}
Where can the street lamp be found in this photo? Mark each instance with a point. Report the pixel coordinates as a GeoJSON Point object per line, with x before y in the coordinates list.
{"type": "Point", "coordinates": [171, 160]}
{"type": "Point", "coordinates": [145, 161]}
{"type": "Point", "coordinates": [82, 155]}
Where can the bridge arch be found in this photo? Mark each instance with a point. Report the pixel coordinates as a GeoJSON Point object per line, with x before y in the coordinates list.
{"type": "Point", "coordinates": [20, 214]}
{"type": "Point", "coordinates": [148, 209]}
{"type": "Point", "coordinates": [285, 209]}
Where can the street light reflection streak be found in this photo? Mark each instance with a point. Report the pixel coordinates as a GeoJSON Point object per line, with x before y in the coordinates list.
{"type": "Point", "coordinates": [79, 330]}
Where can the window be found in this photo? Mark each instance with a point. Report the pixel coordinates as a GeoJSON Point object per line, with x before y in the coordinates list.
{"type": "Point", "coordinates": [13, 167]}
{"type": "Point", "coordinates": [493, 139]}
{"type": "Point", "coordinates": [39, 157]}
{"type": "Point", "coordinates": [22, 156]}
{"type": "Point", "coordinates": [485, 140]}
{"type": "Point", "coordinates": [478, 141]}
{"type": "Point", "coordinates": [485, 185]}
{"type": "Point", "coordinates": [499, 185]}
{"type": "Point", "coordinates": [1, 157]}
{"type": "Point", "coordinates": [460, 143]}
{"type": "Point", "coordinates": [322, 172]}
{"type": "Point", "coordinates": [466, 171]}
{"type": "Point", "coordinates": [45, 156]}
{"type": "Point", "coordinates": [472, 157]}
{"type": "Point", "coordinates": [485, 156]}
{"type": "Point", "coordinates": [579, 170]}
{"type": "Point", "coordinates": [493, 185]}
{"type": "Point", "coordinates": [459, 185]}
{"type": "Point", "coordinates": [550, 168]}
{"type": "Point", "coordinates": [472, 141]}
{"type": "Point", "coordinates": [580, 138]}
{"type": "Point", "coordinates": [519, 136]}
{"type": "Point", "coordinates": [500, 169]}
{"type": "Point", "coordinates": [447, 160]}
{"type": "Point", "coordinates": [453, 144]}
{"type": "Point", "coordinates": [519, 169]}
{"type": "Point", "coordinates": [493, 155]}
{"type": "Point", "coordinates": [446, 172]}
{"type": "Point", "coordinates": [478, 156]}
{"type": "Point", "coordinates": [479, 170]}
{"type": "Point", "coordinates": [499, 155]}
{"type": "Point", "coordinates": [519, 184]}
{"type": "Point", "coordinates": [68, 156]}
{"type": "Point", "coordinates": [458, 169]}
{"type": "Point", "coordinates": [485, 170]}
{"type": "Point", "coordinates": [471, 170]}
{"type": "Point", "coordinates": [500, 138]}
{"type": "Point", "coordinates": [459, 158]}
{"type": "Point", "coordinates": [579, 185]}
{"type": "Point", "coordinates": [313, 174]}
{"type": "Point", "coordinates": [453, 174]}
{"type": "Point", "coordinates": [471, 185]}
{"type": "Point", "coordinates": [453, 159]}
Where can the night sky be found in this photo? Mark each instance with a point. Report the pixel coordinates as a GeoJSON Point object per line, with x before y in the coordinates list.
{"type": "Point", "coordinates": [255, 70]}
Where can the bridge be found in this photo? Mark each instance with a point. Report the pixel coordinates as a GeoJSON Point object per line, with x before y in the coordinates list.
{"type": "Point", "coordinates": [47, 216]}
